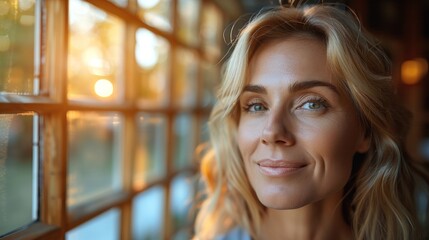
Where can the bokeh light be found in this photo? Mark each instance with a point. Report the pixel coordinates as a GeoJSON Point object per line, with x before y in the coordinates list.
{"type": "Point", "coordinates": [146, 53]}
{"type": "Point", "coordinates": [148, 3]}
{"type": "Point", "coordinates": [103, 88]}
{"type": "Point", "coordinates": [412, 71]}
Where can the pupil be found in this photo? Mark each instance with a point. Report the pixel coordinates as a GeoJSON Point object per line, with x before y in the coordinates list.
{"type": "Point", "coordinates": [314, 105]}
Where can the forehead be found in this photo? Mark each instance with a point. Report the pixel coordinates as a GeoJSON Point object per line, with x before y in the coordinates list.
{"type": "Point", "coordinates": [290, 59]}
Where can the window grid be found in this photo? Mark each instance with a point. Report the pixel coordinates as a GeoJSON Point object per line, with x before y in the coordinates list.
{"type": "Point", "coordinates": [52, 105]}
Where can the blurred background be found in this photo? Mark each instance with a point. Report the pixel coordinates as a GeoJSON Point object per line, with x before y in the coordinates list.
{"type": "Point", "coordinates": [104, 103]}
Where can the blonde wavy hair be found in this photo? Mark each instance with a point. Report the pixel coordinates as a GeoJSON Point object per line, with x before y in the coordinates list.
{"type": "Point", "coordinates": [379, 197]}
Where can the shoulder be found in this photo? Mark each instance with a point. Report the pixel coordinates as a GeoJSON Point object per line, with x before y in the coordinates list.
{"type": "Point", "coordinates": [235, 234]}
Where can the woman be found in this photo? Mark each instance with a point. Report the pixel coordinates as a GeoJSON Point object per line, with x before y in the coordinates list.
{"type": "Point", "coordinates": [307, 138]}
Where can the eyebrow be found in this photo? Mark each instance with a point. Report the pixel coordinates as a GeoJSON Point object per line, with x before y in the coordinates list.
{"type": "Point", "coordinates": [299, 86]}
{"type": "Point", "coordinates": [295, 87]}
{"type": "Point", "coordinates": [255, 89]}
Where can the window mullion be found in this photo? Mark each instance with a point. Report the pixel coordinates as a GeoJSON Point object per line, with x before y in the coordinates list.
{"type": "Point", "coordinates": [54, 125]}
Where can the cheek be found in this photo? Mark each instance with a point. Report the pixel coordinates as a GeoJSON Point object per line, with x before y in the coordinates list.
{"type": "Point", "coordinates": [335, 136]}
{"type": "Point", "coordinates": [333, 146]}
{"type": "Point", "coordinates": [247, 138]}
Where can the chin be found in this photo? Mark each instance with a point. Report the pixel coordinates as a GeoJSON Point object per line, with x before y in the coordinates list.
{"type": "Point", "coordinates": [281, 202]}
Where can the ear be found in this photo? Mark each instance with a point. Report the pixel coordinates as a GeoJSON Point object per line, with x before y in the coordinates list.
{"type": "Point", "coordinates": [364, 144]}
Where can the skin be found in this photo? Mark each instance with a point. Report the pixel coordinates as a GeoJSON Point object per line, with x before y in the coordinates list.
{"type": "Point", "coordinates": [297, 135]}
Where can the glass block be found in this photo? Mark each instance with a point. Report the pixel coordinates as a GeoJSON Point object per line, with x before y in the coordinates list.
{"type": "Point", "coordinates": [211, 31]}
{"type": "Point", "coordinates": [148, 214]}
{"type": "Point", "coordinates": [157, 13]}
{"type": "Point", "coordinates": [204, 130]}
{"type": "Point", "coordinates": [95, 145]}
{"type": "Point", "coordinates": [95, 59]}
{"type": "Point", "coordinates": [18, 171]}
{"type": "Point", "coordinates": [151, 147]}
{"type": "Point", "coordinates": [153, 61]}
{"type": "Point", "coordinates": [185, 78]}
{"type": "Point", "coordinates": [182, 195]}
{"type": "Point", "coordinates": [184, 234]}
{"type": "Point", "coordinates": [106, 227]}
{"type": "Point", "coordinates": [18, 24]}
{"type": "Point", "coordinates": [121, 3]}
{"type": "Point", "coordinates": [189, 20]}
{"type": "Point", "coordinates": [211, 78]}
{"type": "Point", "coordinates": [184, 141]}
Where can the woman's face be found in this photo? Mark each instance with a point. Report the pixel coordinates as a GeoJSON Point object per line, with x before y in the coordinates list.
{"type": "Point", "coordinates": [297, 134]}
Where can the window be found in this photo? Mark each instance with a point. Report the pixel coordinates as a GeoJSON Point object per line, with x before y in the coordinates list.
{"type": "Point", "coordinates": [102, 104]}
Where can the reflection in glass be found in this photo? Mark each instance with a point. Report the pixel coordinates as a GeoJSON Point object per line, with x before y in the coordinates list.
{"type": "Point", "coordinates": [95, 52]}
{"type": "Point", "coordinates": [106, 227]}
{"type": "Point", "coordinates": [210, 81]}
{"type": "Point", "coordinates": [94, 155]}
{"type": "Point", "coordinates": [189, 16]}
{"type": "Point", "coordinates": [148, 212]}
{"type": "Point", "coordinates": [185, 78]}
{"type": "Point", "coordinates": [211, 31]}
{"type": "Point", "coordinates": [184, 141]}
{"type": "Point", "coordinates": [17, 47]}
{"type": "Point", "coordinates": [18, 171]}
{"type": "Point", "coordinates": [182, 196]}
{"type": "Point", "coordinates": [157, 13]}
{"type": "Point", "coordinates": [150, 149]}
{"type": "Point", "coordinates": [152, 58]}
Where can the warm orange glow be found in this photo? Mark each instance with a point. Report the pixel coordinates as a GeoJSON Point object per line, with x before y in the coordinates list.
{"type": "Point", "coordinates": [412, 71]}
{"type": "Point", "coordinates": [103, 88]}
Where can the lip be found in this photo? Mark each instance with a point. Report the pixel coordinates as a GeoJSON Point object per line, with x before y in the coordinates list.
{"type": "Point", "coordinates": [279, 168]}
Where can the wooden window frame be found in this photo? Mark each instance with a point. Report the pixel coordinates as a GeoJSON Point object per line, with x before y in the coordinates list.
{"type": "Point", "coordinates": [52, 104]}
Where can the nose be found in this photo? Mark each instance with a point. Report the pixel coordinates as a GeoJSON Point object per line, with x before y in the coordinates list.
{"type": "Point", "coordinates": [277, 131]}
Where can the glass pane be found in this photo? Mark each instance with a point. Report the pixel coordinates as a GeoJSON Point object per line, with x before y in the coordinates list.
{"type": "Point", "coordinates": [153, 60]}
{"type": "Point", "coordinates": [157, 13]}
{"type": "Point", "coordinates": [95, 61]}
{"type": "Point", "coordinates": [182, 235]}
{"type": "Point", "coordinates": [17, 43]}
{"type": "Point", "coordinates": [204, 130]}
{"type": "Point", "coordinates": [18, 171]}
{"type": "Point", "coordinates": [185, 78]}
{"type": "Point", "coordinates": [150, 149]}
{"type": "Point", "coordinates": [121, 3]}
{"type": "Point", "coordinates": [182, 196]}
{"type": "Point", "coordinates": [211, 31]}
{"type": "Point", "coordinates": [148, 212]}
{"type": "Point", "coordinates": [106, 227]}
{"type": "Point", "coordinates": [184, 140]}
{"type": "Point", "coordinates": [189, 16]}
{"type": "Point", "coordinates": [94, 155]}
{"type": "Point", "coordinates": [211, 79]}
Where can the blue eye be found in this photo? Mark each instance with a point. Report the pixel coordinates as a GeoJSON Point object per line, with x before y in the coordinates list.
{"type": "Point", "coordinates": [314, 105]}
{"type": "Point", "coordinates": [255, 107]}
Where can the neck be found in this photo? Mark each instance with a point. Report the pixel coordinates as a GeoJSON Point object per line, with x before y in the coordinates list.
{"type": "Point", "coordinates": [321, 220]}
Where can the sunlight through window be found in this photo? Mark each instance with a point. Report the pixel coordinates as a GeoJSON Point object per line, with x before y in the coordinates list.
{"type": "Point", "coordinates": [103, 88]}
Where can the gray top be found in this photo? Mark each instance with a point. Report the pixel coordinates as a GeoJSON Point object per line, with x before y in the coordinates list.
{"type": "Point", "coordinates": [235, 234]}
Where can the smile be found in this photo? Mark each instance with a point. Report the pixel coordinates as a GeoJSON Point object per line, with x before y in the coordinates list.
{"type": "Point", "coordinates": [279, 168]}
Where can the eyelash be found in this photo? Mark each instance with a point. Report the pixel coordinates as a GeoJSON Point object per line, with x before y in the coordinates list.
{"type": "Point", "coordinates": [248, 107]}
{"type": "Point", "coordinates": [314, 100]}
{"type": "Point", "coordinates": [317, 100]}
